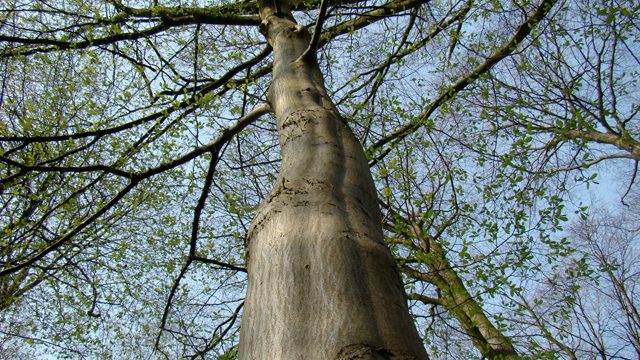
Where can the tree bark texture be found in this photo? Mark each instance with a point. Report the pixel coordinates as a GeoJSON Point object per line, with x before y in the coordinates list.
{"type": "Point", "coordinates": [322, 282]}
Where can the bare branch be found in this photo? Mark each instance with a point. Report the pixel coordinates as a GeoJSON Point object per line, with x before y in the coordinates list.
{"type": "Point", "coordinates": [310, 53]}
{"type": "Point", "coordinates": [425, 299]}
{"type": "Point", "coordinates": [70, 169]}
{"type": "Point", "coordinates": [219, 263]}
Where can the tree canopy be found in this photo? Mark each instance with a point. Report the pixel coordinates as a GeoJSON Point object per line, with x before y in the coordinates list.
{"type": "Point", "coordinates": [136, 144]}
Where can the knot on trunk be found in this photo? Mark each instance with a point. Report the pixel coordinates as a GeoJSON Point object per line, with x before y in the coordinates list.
{"type": "Point", "coordinates": [262, 28]}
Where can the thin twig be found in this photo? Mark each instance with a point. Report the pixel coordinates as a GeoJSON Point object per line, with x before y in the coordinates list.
{"type": "Point", "coordinates": [219, 263]}
{"type": "Point", "coordinates": [633, 180]}
{"type": "Point", "coordinates": [167, 307]}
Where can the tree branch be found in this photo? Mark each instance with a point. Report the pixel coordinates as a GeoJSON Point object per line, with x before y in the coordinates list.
{"type": "Point", "coordinates": [70, 169]}
{"type": "Point", "coordinates": [214, 146]}
{"type": "Point", "coordinates": [163, 113]}
{"type": "Point", "coordinates": [521, 33]}
{"type": "Point", "coordinates": [135, 179]}
{"type": "Point", "coordinates": [425, 299]}
{"type": "Point", "coordinates": [310, 53]}
{"type": "Point", "coordinates": [61, 241]}
{"type": "Point", "coordinates": [219, 263]}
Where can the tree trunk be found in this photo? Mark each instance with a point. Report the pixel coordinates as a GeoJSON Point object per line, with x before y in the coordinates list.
{"type": "Point", "coordinates": [322, 282]}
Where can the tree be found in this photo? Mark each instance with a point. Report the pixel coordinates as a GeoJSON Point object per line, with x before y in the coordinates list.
{"type": "Point", "coordinates": [125, 225]}
{"type": "Point", "coordinates": [587, 305]}
{"type": "Point", "coordinates": [318, 266]}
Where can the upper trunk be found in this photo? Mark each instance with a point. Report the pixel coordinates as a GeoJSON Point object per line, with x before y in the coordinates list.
{"type": "Point", "coordinates": [322, 283]}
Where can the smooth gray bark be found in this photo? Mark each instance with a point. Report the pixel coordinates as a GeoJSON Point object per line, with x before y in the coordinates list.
{"type": "Point", "coordinates": [322, 282]}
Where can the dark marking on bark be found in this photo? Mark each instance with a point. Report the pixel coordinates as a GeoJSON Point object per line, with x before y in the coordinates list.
{"type": "Point", "coordinates": [367, 352]}
{"type": "Point", "coordinates": [296, 125]}
{"type": "Point", "coordinates": [280, 197]}
{"type": "Point", "coordinates": [314, 96]}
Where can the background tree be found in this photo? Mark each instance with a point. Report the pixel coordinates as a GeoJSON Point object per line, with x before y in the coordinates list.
{"type": "Point", "coordinates": [586, 306]}
{"type": "Point", "coordinates": [133, 160]}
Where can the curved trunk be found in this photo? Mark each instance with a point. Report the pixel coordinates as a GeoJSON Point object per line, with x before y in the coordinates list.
{"type": "Point", "coordinates": [322, 283]}
{"type": "Point", "coordinates": [490, 341]}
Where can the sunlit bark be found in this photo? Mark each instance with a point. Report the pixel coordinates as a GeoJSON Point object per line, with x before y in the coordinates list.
{"type": "Point", "coordinates": [322, 283]}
